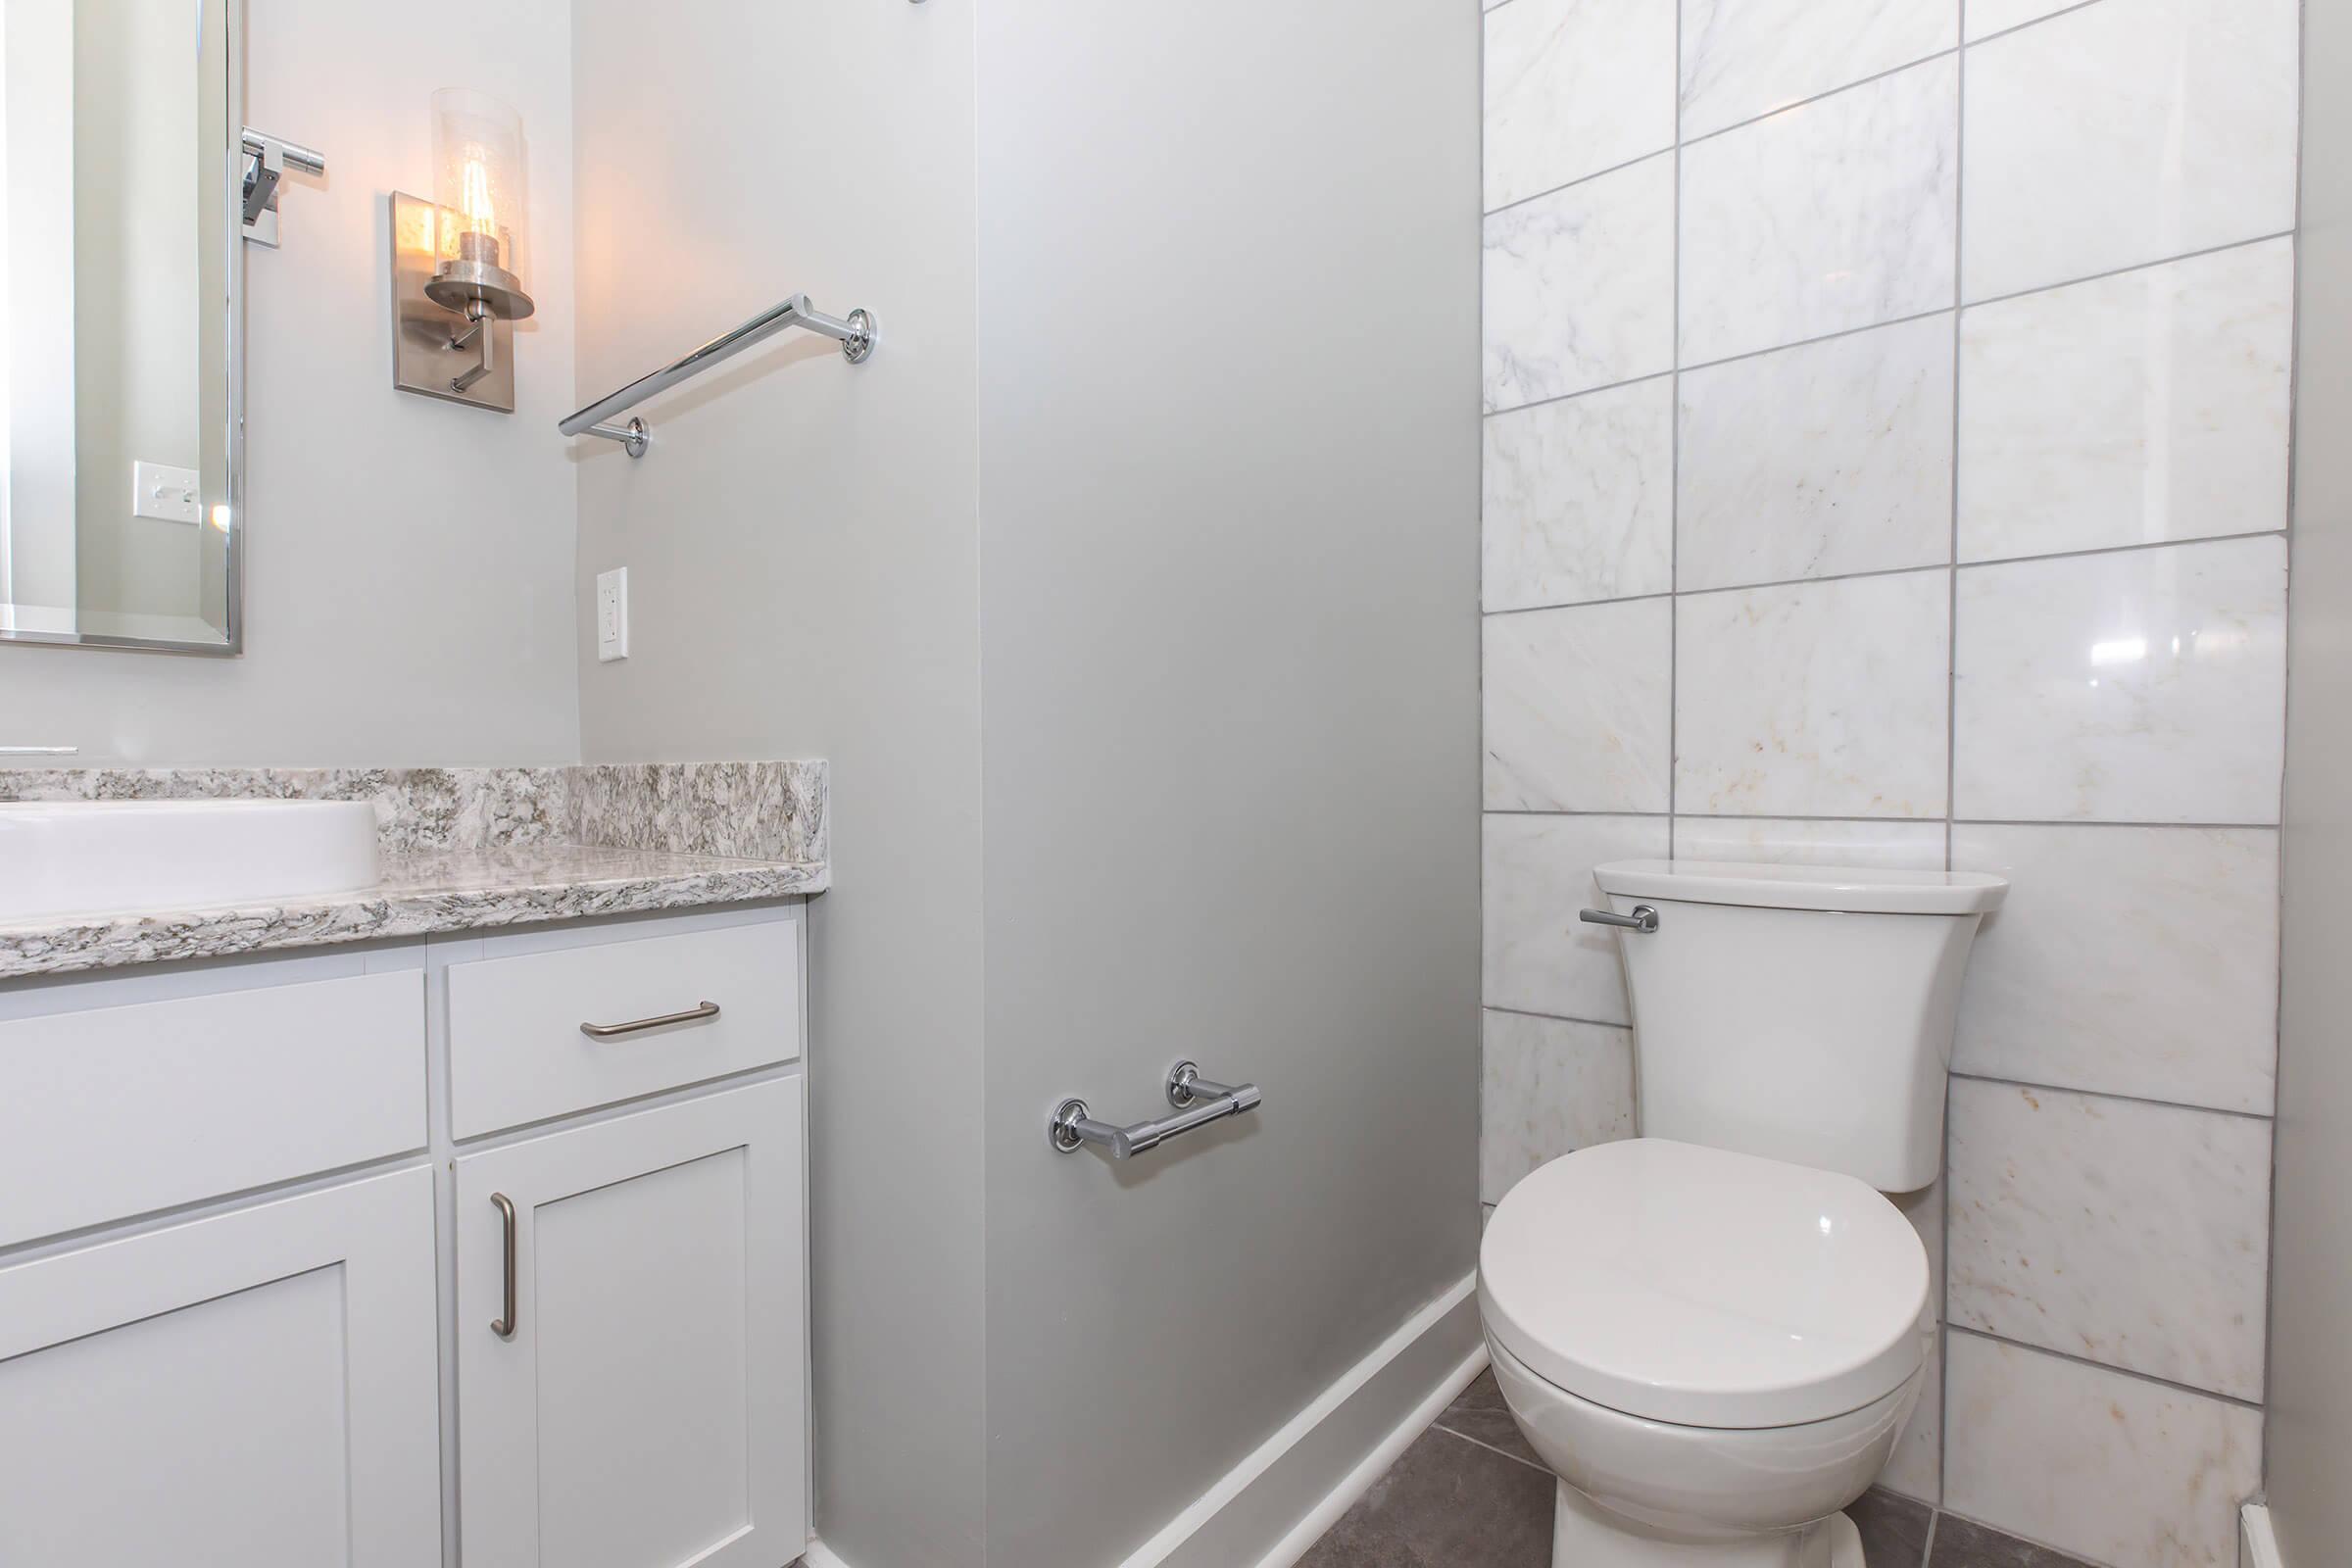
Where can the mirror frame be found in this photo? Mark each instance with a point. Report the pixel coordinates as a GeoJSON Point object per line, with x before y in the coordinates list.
{"type": "Point", "coordinates": [232, 192]}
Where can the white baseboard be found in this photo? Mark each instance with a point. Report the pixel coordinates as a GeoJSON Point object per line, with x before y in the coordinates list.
{"type": "Point", "coordinates": [2257, 1542]}
{"type": "Point", "coordinates": [1274, 1505]}
{"type": "Point", "coordinates": [1290, 1489]}
{"type": "Point", "coordinates": [1358, 1481]}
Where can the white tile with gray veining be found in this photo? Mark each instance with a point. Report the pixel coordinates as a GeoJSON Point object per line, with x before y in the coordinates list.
{"type": "Point", "coordinates": [1821, 699]}
{"type": "Point", "coordinates": [1578, 705]}
{"type": "Point", "coordinates": [2127, 132]}
{"type": "Point", "coordinates": [2131, 409]}
{"type": "Point", "coordinates": [1578, 286]}
{"type": "Point", "coordinates": [1837, 215]}
{"type": "Point", "coordinates": [2129, 1234]}
{"type": "Point", "coordinates": [1578, 499]}
{"type": "Point", "coordinates": [1574, 87]}
{"type": "Point", "coordinates": [2141, 686]}
{"type": "Point", "coordinates": [2136, 961]}
{"type": "Point", "coordinates": [1820, 461]}
{"type": "Point", "coordinates": [1745, 58]}
{"type": "Point", "coordinates": [2109, 1467]}
{"type": "Point", "coordinates": [1551, 1087]}
{"type": "Point", "coordinates": [1536, 873]}
{"type": "Point", "coordinates": [1883, 842]}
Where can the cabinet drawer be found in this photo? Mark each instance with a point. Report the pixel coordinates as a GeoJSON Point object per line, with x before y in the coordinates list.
{"type": "Point", "coordinates": [124, 1110]}
{"type": "Point", "coordinates": [518, 1043]}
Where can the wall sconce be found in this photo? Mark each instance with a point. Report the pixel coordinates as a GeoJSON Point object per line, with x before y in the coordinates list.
{"type": "Point", "coordinates": [457, 260]}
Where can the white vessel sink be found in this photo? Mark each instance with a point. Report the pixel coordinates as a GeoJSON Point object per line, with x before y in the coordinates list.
{"type": "Point", "coordinates": [86, 856]}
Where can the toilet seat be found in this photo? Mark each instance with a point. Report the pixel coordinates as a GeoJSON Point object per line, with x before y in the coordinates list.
{"type": "Point", "coordinates": [1704, 1288]}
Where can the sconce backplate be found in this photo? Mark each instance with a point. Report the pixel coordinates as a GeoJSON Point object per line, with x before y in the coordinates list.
{"type": "Point", "coordinates": [422, 357]}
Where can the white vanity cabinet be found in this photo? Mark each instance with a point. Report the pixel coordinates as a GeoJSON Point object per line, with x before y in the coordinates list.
{"type": "Point", "coordinates": [255, 1389]}
{"type": "Point", "coordinates": [631, 1370]}
{"type": "Point", "coordinates": [262, 1302]}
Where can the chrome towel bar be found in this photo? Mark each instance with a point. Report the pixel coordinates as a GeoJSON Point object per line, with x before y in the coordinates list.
{"type": "Point", "coordinates": [1198, 1102]}
{"type": "Point", "coordinates": [855, 333]}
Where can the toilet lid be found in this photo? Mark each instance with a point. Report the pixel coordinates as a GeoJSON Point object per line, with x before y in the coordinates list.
{"type": "Point", "coordinates": [1704, 1288]}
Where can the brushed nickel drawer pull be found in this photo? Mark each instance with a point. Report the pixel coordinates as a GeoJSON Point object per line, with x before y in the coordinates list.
{"type": "Point", "coordinates": [693, 1014]}
{"type": "Point", "coordinates": [504, 1327]}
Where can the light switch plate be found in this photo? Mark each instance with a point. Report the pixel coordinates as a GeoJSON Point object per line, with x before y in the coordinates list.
{"type": "Point", "coordinates": [612, 615]}
{"type": "Point", "coordinates": [164, 493]}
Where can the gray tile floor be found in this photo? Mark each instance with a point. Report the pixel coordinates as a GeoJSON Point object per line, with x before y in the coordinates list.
{"type": "Point", "coordinates": [1470, 1494]}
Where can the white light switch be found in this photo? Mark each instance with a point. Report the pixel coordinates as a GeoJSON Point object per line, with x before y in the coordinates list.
{"type": "Point", "coordinates": [167, 494]}
{"type": "Point", "coordinates": [612, 615]}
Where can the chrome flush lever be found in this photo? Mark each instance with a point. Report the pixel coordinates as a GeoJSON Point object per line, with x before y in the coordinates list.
{"type": "Point", "coordinates": [1643, 918]}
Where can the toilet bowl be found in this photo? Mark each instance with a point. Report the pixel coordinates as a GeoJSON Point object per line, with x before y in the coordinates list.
{"type": "Point", "coordinates": [1714, 1334]}
{"type": "Point", "coordinates": [1714, 1353]}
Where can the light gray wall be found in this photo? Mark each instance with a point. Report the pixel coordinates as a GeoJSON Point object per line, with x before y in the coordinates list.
{"type": "Point", "coordinates": [1210, 582]}
{"type": "Point", "coordinates": [2310, 1420]}
{"type": "Point", "coordinates": [1228, 522]}
{"type": "Point", "coordinates": [803, 574]}
{"type": "Point", "coordinates": [408, 572]}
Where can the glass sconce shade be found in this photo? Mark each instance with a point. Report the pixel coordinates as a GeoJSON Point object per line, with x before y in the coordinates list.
{"type": "Point", "coordinates": [482, 207]}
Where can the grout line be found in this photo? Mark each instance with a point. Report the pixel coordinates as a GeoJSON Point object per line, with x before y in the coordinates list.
{"type": "Point", "coordinates": [2107, 1093]}
{"type": "Point", "coordinates": [1579, 604]}
{"type": "Point", "coordinates": [1927, 1551]}
{"type": "Point", "coordinates": [2119, 1371]}
{"type": "Point", "coordinates": [1914, 571]}
{"type": "Point", "coordinates": [1951, 731]}
{"type": "Point", "coordinates": [1504, 1454]}
{"type": "Point", "coordinates": [2085, 821]}
{"type": "Point", "coordinates": [1585, 392]}
{"type": "Point", "coordinates": [1558, 1017]}
{"type": "Point", "coordinates": [1902, 320]}
{"type": "Point", "coordinates": [1807, 103]}
{"type": "Point", "coordinates": [1532, 811]}
{"type": "Point", "coordinates": [1571, 184]}
{"type": "Point", "coordinates": [1729, 358]}
{"type": "Point", "coordinates": [1674, 479]}
{"type": "Point", "coordinates": [1889, 821]}
{"type": "Point", "coordinates": [1886, 821]}
{"type": "Point", "coordinates": [2120, 271]}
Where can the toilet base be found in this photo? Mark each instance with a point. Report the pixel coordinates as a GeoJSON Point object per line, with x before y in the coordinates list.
{"type": "Point", "coordinates": [1585, 1535]}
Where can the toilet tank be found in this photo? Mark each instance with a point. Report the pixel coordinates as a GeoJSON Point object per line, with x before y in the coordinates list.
{"type": "Point", "coordinates": [1799, 1012]}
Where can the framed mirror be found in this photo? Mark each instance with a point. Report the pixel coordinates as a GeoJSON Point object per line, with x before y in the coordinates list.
{"type": "Point", "coordinates": [121, 295]}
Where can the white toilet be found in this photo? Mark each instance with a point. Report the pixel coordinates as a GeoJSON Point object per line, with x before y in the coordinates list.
{"type": "Point", "coordinates": [1714, 1333]}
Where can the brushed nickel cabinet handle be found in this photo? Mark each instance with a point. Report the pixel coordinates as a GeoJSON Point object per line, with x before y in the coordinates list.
{"type": "Point", "coordinates": [693, 1014]}
{"type": "Point", "coordinates": [504, 1327]}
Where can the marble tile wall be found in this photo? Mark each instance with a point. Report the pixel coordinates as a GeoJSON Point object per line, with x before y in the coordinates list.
{"type": "Point", "coordinates": [1887, 409]}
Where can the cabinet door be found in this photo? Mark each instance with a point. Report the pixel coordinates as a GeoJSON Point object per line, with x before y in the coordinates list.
{"type": "Point", "coordinates": [257, 1389]}
{"type": "Point", "coordinates": [644, 1405]}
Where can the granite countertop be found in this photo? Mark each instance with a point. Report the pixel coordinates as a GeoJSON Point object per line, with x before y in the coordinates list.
{"type": "Point", "coordinates": [448, 890]}
{"type": "Point", "coordinates": [766, 820]}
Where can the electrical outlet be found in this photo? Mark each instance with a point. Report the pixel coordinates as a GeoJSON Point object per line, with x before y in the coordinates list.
{"type": "Point", "coordinates": [164, 493]}
{"type": "Point", "coordinates": [612, 615]}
